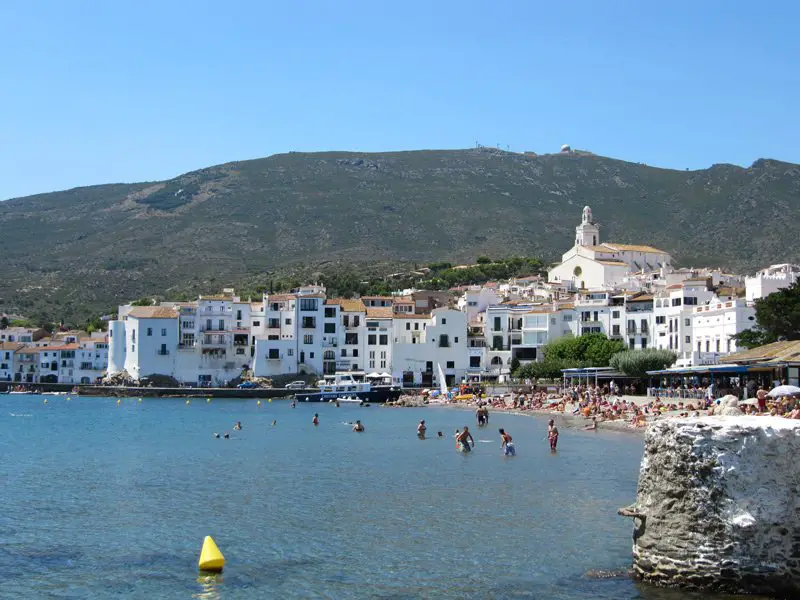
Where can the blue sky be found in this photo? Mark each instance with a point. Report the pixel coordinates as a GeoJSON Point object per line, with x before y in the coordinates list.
{"type": "Point", "coordinates": [99, 92]}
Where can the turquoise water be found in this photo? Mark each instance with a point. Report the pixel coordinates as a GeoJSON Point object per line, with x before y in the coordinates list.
{"type": "Point", "coordinates": [103, 500]}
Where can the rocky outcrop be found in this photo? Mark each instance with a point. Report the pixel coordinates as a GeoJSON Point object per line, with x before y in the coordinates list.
{"type": "Point", "coordinates": [717, 505]}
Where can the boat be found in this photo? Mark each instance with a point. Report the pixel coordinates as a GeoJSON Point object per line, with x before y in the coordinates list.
{"type": "Point", "coordinates": [25, 393]}
{"type": "Point", "coordinates": [343, 388]}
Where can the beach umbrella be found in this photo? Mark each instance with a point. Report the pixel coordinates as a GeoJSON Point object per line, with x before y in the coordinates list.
{"type": "Point", "coordinates": [784, 390]}
{"type": "Point", "coordinates": [385, 375]}
{"type": "Point", "coordinates": [750, 401]}
{"type": "Point", "coordinates": [373, 376]}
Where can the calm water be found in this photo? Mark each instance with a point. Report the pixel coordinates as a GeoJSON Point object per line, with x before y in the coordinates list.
{"type": "Point", "coordinates": [102, 501]}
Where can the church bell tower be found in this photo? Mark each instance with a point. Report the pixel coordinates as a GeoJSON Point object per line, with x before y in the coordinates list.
{"type": "Point", "coordinates": [588, 232]}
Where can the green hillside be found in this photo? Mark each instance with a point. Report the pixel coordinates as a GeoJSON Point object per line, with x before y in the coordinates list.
{"type": "Point", "coordinates": [66, 253]}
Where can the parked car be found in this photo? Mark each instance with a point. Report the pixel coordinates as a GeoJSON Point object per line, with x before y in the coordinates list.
{"type": "Point", "coordinates": [296, 385]}
{"type": "Point", "coordinates": [245, 385]}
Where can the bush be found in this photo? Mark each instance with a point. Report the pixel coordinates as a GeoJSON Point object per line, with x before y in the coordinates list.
{"type": "Point", "coordinates": [636, 363]}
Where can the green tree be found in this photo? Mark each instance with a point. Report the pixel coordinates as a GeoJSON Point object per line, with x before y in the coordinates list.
{"type": "Point", "coordinates": [483, 260]}
{"type": "Point", "coordinates": [777, 318]}
{"type": "Point", "coordinates": [636, 363]}
{"type": "Point", "coordinates": [514, 365]}
{"type": "Point", "coordinates": [4, 322]}
{"type": "Point", "coordinates": [142, 302]}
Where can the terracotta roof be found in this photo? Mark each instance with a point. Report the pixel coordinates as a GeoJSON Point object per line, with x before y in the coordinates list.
{"type": "Point", "coordinates": [218, 297]}
{"type": "Point", "coordinates": [11, 346]}
{"type": "Point", "coordinates": [379, 312]}
{"type": "Point", "coordinates": [32, 349]}
{"type": "Point", "coordinates": [613, 263]}
{"type": "Point", "coordinates": [256, 306]}
{"type": "Point", "coordinates": [645, 298]}
{"type": "Point", "coordinates": [153, 312]}
{"type": "Point", "coordinates": [348, 304]}
{"type": "Point", "coordinates": [675, 286]}
{"type": "Point", "coordinates": [566, 306]}
{"type": "Point", "coordinates": [412, 316]}
{"type": "Point", "coordinates": [377, 298]}
{"type": "Point", "coordinates": [776, 352]}
{"type": "Point", "coordinates": [632, 248]}
{"type": "Point", "coordinates": [280, 297]}
{"type": "Point", "coordinates": [64, 347]}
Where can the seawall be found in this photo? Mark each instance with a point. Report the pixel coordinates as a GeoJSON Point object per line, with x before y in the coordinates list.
{"type": "Point", "coordinates": [718, 505]}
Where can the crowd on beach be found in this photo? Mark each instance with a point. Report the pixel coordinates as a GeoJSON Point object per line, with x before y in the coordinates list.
{"type": "Point", "coordinates": [605, 403]}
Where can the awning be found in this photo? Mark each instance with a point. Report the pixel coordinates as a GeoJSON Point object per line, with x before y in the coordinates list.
{"type": "Point", "coordinates": [703, 369]}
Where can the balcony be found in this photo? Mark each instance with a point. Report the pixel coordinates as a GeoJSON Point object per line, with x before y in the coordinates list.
{"type": "Point", "coordinates": [187, 346]}
{"type": "Point", "coordinates": [212, 341]}
{"type": "Point", "coordinates": [274, 358]}
{"type": "Point", "coordinates": [162, 352]}
{"type": "Point", "coordinates": [214, 311]}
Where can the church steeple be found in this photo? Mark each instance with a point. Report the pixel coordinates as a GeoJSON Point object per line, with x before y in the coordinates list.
{"type": "Point", "coordinates": [588, 232]}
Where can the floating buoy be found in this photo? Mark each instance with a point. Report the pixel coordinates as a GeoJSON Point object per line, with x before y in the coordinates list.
{"type": "Point", "coordinates": [187, 402]}
{"type": "Point", "coordinates": [259, 402]}
{"type": "Point", "coordinates": [138, 399]}
{"type": "Point", "coordinates": [208, 399]}
{"type": "Point", "coordinates": [68, 398]}
{"type": "Point", "coordinates": [270, 400]}
{"type": "Point", "coordinates": [211, 558]}
{"type": "Point", "coordinates": [119, 401]}
{"type": "Point", "coordinates": [45, 400]}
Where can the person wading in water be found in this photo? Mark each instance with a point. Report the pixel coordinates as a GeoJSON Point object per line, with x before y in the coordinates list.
{"type": "Point", "coordinates": [421, 429]}
{"type": "Point", "coordinates": [461, 440]}
{"type": "Point", "coordinates": [552, 435]}
{"type": "Point", "coordinates": [506, 444]}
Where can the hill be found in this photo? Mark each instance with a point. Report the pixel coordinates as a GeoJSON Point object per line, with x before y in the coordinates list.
{"type": "Point", "coordinates": [90, 248]}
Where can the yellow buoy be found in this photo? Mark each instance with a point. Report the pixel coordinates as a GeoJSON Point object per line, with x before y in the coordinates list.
{"type": "Point", "coordinates": [259, 402]}
{"type": "Point", "coordinates": [119, 401]}
{"type": "Point", "coordinates": [211, 558]}
{"type": "Point", "coordinates": [187, 402]}
{"type": "Point", "coordinates": [68, 398]}
{"type": "Point", "coordinates": [139, 399]}
{"type": "Point", "coordinates": [45, 400]}
{"type": "Point", "coordinates": [270, 400]}
{"type": "Point", "coordinates": [208, 399]}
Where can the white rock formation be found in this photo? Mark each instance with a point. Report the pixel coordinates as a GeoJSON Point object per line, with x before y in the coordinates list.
{"type": "Point", "coordinates": [718, 505]}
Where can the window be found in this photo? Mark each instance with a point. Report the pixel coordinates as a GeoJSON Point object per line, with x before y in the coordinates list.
{"type": "Point", "coordinates": [372, 339]}
{"type": "Point", "coordinates": [631, 343]}
{"type": "Point", "coordinates": [373, 324]}
{"type": "Point", "coordinates": [615, 314]}
{"type": "Point", "coordinates": [290, 352]}
{"type": "Point", "coordinates": [444, 341]}
{"type": "Point", "coordinates": [273, 337]}
{"type": "Point", "coordinates": [416, 326]}
{"type": "Point", "coordinates": [355, 353]}
{"type": "Point", "coordinates": [643, 325]}
{"type": "Point", "coordinates": [356, 321]}
{"type": "Point", "coordinates": [690, 301]}
{"type": "Point", "coordinates": [717, 345]}
{"type": "Point", "coordinates": [163, 332]}
{"type": "Point", "coordinates": [330, 312]}
{"type": "Point", "coordinates": [310, 355]}
{"type": "Point", "coordinates": [408, 326]}
{"type": "Point", "coordinates": [474, 362]}
{"type": "Point", "coordinates": [308, 304]}
{"type": "Point", "coordinates": [238, 315]}
{"type": "Point", "coordinates": [309, 323]}
{"type": "Point", "coordinates": [429, 365]}
{"type": "Point", "coordinates": [351, 339]}
{"type": "Point", "coordinates": [451, 364]}
{"type": "Point", "coordinates": [455, 340]}
{"type": "Point", "coordinates": [615, 330]}
{"type": "Point", "coordinates": [133, 335]}
{"type": "Point", "coordinates": [273, 323]}
{"type": "Point", "coordinates": [687, 322]}
{"type": "Point", "coordinates": [256, 323]}
{"type": "Point", "coordinates": [644, 343]}
{"type": "Point", "coordinates": [676, 301]}
{"type": "Point", "coordinates": [288, 322]}
{"type": "Point", "coordinates": [444, 321]}
{"type": "Point", "coordinates": [308, 339]}
{"type": "Point", "coordinates": [567, 318]}
{"type": "Point", "coordinates": [344, 351]}
{"type": "Point", "coordinates": [497, 326]}
{"type": "Point", "coordinates": [221, 324]}
{"type": "Point", "coordinates": [330, 327]}
{"type": "Point", "coordinates": [149, 331]}
{"type": "Point", "coordinates": [661, 320]}
{"type": "Point", "coordinates": [371, 364]}
{"type": "Point", "coordinates": [372, 354]}
{"type": "Point", "coordinates": [383, 340]}
{"type": "Point", "coordinates": [355, 366]}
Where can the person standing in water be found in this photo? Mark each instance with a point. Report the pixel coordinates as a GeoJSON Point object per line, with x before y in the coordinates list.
{"type": "Point", "coordinates": [315, 420]}
{"type": "Point", "coordinates": [421, 429]}
{"type": "Point", "coordinates": [238, 426]}
{"type": "Point", "coordinates": [506, 444]}
{"type": "Point", "coordinates": [552, 435]}
{"type": "Point", "coordinates": [461, 440]}
{"type": "Point", "coordinates": [358, 427]}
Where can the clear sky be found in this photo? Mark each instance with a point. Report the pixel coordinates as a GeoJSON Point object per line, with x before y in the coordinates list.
{"type": "Point", "coordinates": [122, 91]}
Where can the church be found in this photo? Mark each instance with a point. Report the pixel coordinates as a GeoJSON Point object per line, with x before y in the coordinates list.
{"type": "Point", "coordinates": [592, 264]}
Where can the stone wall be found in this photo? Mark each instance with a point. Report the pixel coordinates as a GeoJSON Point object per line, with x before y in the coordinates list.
{"type": "Point", "coordinates": [718, 505]}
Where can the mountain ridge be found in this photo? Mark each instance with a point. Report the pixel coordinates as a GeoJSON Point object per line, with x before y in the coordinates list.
{"type": "Point", "coordinates": [93, 246]}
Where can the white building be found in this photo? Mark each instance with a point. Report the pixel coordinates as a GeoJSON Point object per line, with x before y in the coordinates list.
{"type": "Point", "coordinates": [442, 341]}
{"type": "Point", "coordinates": [770, 280]}
{"type": "Point", "coordinates": [713, 326]}
{"type": "Point", "coordinates": [590, 264]}
{"type": "Point", "coordinates": [8, 352]}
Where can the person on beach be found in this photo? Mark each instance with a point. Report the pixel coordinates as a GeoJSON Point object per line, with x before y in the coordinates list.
{"type": "Point", "coordinates": [462, 442]}
{"type": "Point", "coordinates": [315, 420]}
{"type": "Point", "coordinates": [358, 427]}
{"type": "Point", "coordinates": [761, 396]}
{"type": "Point", "coordinates": [506, 444]}
{"type": "Point", "coordinates": [593, 426]}
{"type": "Point", "coordinates": [552, 435]}
{"type": "Point", "coordinates": [421, 429]}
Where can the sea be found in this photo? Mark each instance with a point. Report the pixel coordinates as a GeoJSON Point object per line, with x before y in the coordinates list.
{"type": "Point", "coordinates": [108, 499]}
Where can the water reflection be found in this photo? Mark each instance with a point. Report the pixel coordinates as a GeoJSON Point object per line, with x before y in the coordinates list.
{"type": "Point", "coordinates": [210, 585]}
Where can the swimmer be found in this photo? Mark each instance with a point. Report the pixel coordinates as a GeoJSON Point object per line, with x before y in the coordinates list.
{"type": "Point", "coordinates": [506, 444]}
{"type": "Point", "coordinates": [274, 423]}
{"type": "Point", "coordinates": [216, 435]}
{"type": "Point", "coordinates": [461, 440]}
{"type": "Point", "coordinates": [227, 436]}
{"type": "Point", "coordinates": [238, 426]}
{"type": "Point", "coordinates": [315, 420]}
{"type": "Point", "coordinates": [439, 434]}
{"type": "Point", "coordinates": [552, 435]}
{"type": "Point", "coordinates": [294, 403]}
{"type": "Point", "coordinates": [421, 429]}
{"type": "Point", "coordinates": [358, 427]}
